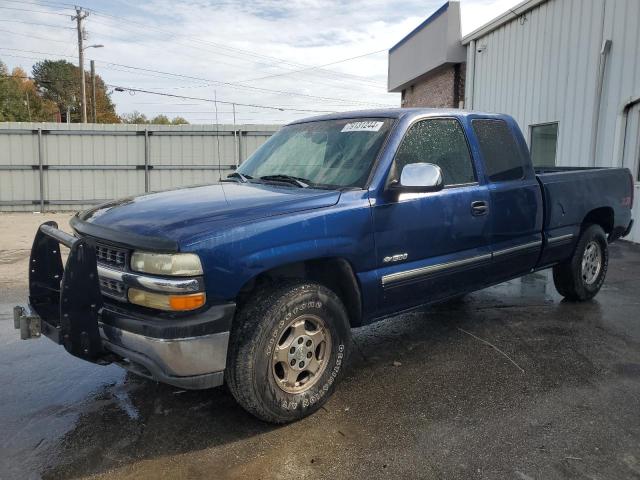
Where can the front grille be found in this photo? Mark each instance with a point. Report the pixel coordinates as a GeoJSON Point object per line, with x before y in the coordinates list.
{"type": "Point", "coordinates": [113, 288]}
{"type": "Point", "coordinates": [111, 256]}
{"type": "Point", "coordinates": [116, 258]}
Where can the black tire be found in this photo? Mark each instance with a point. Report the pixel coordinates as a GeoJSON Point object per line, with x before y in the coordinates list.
{"type": "Point", "coordinates": [251, 372]}
{"type": "Point", "coordinates": [569, 278]}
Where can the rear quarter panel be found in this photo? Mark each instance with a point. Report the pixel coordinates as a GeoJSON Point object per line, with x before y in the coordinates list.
{"type": "Point", "coordinates": [570, 195]}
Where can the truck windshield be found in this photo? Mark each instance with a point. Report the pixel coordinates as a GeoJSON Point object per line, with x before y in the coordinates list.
{"type": "Point", "coordinates": [328, 153]}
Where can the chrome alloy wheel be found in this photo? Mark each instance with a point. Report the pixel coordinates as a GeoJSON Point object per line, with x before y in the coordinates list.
{"type": "Point", "coordinates": [301, 354]}
{"type": "Point", "coordinates": [591, 262]}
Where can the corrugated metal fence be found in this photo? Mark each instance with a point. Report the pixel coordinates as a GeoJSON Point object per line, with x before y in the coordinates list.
{"type": "Point", "coordinates": [52, 166]}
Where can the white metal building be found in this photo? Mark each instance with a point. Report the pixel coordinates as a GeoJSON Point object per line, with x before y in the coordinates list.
{"type": "Point", "coordinates": [569, 72]}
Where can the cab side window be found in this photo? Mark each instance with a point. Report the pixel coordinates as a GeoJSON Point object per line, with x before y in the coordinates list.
{"type": "Point", "coordinates": [440, 141]}
{"type": "Point", "coordinates": [502, 156]}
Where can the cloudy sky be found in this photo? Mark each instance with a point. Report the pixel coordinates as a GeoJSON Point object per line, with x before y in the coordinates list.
{"type": "Point", "coordinates": [264, 52]}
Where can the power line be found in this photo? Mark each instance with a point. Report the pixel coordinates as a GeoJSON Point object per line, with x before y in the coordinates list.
{"type": "Point", "coordinates": [215, 82]}
{"type": "Point", "coordinates": [175, 96]}
{"type": "Point", "coordinates": [33, 11]}
{"type": "Point", "coordinates": [39, 53]}
{"type": "Point", "coordinates": [184, 104]}
{"type": "Point", "coordinates": [146, 26]}
{"type": "Point", "coordinates": [272, 59]}
{"type": "Point", "coordinates": [36, 24]}
{"type": "Point", "coordinates": [48, 39]}
{"type": "Point", "coordinates": [234, 56]}
{"type": "Point", "coordinates": [164, 94]}
{"type": "Point", "coordinates": [306, 69]}
{"type": "Point", "coordinates": [314, 67]}
{"type": "Point", "coordinates": [42, 3]}
{"type": "Point", "coordinates": [342, 84]}
{"type": "Point", "coordinates": [40, 80]}
{"type": "Point", "coordinates": [237, 85]}
{"type": "Point", "coordinates": [224, 102]}
{"type": "Point", "coordinates": [203, 112]}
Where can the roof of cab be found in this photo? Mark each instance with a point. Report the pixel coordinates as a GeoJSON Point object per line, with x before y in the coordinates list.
{"type": "Point", "coordinates": [385, 113]}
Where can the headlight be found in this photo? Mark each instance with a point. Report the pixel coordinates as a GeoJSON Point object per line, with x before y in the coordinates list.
{"type": "Point", "coordinates": [176, 303]}
{"type": "Point", "coordinates": [179, 264]}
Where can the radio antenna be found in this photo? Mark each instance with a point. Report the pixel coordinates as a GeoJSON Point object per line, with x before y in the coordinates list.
{"type": "Point", "coordinates": [215, 103]}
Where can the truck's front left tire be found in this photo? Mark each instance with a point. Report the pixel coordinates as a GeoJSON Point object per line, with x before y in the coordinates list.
{"type": "Point", "coordinates": [287, 350]}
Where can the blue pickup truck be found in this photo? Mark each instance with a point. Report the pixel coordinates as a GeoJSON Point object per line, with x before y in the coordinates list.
{"type": "Point", "coordinates": [335, 222]}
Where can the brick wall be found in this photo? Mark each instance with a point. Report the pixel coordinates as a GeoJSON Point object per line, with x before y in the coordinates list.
{"type": "Point", "coordinates": [443, 88]}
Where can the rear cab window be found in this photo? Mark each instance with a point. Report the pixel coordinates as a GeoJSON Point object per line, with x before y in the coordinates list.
{"type": "Point", "coordinates": [503, 157]}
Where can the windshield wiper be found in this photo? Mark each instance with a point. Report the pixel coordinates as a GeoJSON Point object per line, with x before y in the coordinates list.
{"type": "Point", "coordinates": [237, 175]}
{"type": "Point", "coordinates": [300, 182]}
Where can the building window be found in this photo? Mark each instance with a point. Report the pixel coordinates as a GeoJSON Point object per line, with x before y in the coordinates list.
{"type": "Point", "coordinates": [544, 141]}
{"type": "Point", "coordinates": [503, 159]}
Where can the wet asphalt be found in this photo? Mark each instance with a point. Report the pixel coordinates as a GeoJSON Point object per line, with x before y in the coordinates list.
{"type": "Point", "coordinates": [510, 382]}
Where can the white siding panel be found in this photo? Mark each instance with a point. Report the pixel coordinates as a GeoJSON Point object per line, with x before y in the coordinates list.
{"type": "Point", "coordinates": [21, 185]}
{"type": "Point", "coordinates": [622, 78]}
{"type": "Point", "coordinates": [89, 163]}
{"type": "Point", "coordinates": [543, 67]}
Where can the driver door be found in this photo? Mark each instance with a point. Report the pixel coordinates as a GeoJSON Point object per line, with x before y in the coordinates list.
{"type": "Point", "coordinates": [432, 245]}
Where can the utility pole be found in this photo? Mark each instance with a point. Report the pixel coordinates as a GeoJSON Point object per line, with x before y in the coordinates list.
{"type": "Point", "coordinates": [215, 104]}
{"type": "Point", "coordinates": [94, 116]}
{"type": "Point", "coordinates": [236, 154]}
{"type": "Point", "coordinates": [28, 106]}
{"type": "Point", "coordinates": [79, 17]}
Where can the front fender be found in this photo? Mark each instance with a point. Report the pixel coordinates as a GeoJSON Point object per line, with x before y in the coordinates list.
{"type": "Point", "coordinates": [232, 257]}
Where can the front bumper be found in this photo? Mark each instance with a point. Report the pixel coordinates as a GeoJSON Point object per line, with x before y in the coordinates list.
{"type": "Point", "coordinates": [188, 352]}
{"type": "Point", "coordinates": [66, 305]}
{"type": "Point", "coordinates": [191, 363]}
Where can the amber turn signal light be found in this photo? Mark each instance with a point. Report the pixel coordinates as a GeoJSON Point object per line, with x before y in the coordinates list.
{"type": "Point", "coordinates": [186, 302]}
{"type": "Point", "coordinates": [176, 303]}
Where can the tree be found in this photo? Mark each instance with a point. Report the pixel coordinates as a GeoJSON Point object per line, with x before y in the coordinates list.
{"type": "Point", "coordinates": [141, 119]}
{"type": "Point", "coordinates": [135, 118]}
{"type": "Point", "coordinates": [160, 120]}
{"type": "Point", "coordinates": [20, 100]}
{"type": "Point", "coordinates": [11, 102]}
{"type": "Point", "coordinates": [105, 109]}
{"type": "Point", "coordinates": [59, 82]}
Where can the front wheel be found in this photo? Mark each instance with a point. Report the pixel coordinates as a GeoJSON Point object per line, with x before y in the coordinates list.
{"type": "Point", "coordinates": [287, 350]}
{"type": "Point", "coordinates": [581, 277]}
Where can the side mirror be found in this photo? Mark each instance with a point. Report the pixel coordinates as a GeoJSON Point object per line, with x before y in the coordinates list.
{"type": "Point", "coordinates": [419, 177]}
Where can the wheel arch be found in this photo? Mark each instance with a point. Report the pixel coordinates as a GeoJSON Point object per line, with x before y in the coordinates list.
{"type": "Point", "coordinates": [603, 216]}
{"type": "Point", "coordinates": [335, 273]}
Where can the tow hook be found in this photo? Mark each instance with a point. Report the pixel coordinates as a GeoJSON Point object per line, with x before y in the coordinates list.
{"type": "Point", "coordinates": [27, 322]}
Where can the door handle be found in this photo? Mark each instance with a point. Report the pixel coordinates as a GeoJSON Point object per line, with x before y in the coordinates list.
{"type": "Point", "coordinates": [479, 208]}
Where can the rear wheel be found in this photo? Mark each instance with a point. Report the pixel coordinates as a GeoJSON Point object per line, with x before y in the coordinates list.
{"type": "Point", "coordinates": [287, 350]}
{"type": "Point", "coordinates": [581, 277]}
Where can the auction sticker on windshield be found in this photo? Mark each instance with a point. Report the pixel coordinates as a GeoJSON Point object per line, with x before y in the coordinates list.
{"type": "Point", "coordinates": [369, 126]}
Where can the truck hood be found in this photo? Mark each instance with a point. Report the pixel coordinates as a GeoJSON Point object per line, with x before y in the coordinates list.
{"type": "Point", "coordinates": [186, 214]}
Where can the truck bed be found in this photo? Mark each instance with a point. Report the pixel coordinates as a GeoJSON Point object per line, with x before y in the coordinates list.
{"type": "Point", "coordinates": [569, 192]}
